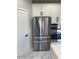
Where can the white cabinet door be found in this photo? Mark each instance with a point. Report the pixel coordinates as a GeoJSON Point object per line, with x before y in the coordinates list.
{"type": "Point", "coordinates": [46, 10]}
{"type": "Point", "coordinates": [23, 43]}
{"type": "Point", "coordinates": [36, 10]}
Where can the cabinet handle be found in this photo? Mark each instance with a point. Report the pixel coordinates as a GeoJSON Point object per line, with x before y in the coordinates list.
{"type": "Point", "coordinates": [26, 35]}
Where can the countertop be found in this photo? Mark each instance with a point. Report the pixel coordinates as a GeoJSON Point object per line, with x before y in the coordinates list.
{"type": "Point", "coordinates": [56, 50]}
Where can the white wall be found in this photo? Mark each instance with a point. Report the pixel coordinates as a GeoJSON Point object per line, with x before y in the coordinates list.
{"type": "Point", "coordinates": [49, 9]}
{"type": "Point", "coordinates": [27, 5]}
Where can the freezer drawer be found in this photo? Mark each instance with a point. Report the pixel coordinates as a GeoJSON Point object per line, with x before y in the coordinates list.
{"type": "Point", "coordinates": [41, 45]}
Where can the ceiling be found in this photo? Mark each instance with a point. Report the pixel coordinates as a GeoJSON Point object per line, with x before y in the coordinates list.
{"type": "Point", "coordinates": [46, 1]}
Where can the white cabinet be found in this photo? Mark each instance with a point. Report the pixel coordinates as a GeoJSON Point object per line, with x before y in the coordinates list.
{"type": "Point", "coordinates": [46, 10]}
{"type": "Point", "coordinates": [53, 10]}
{"type": "Point", "coordinates": [23, 42]}
{"type": "Point", "coordinates": [37, 8]}
{"type": "Point", "coordinates": [24, 8]}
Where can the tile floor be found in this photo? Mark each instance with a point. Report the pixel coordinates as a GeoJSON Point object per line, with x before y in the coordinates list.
{"type": "Point", "coordinates": [54, 53]}
{"type": "Point", "coordinates": [38, 55]}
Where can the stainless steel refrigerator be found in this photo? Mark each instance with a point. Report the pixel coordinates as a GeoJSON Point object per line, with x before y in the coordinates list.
{"type": "Point", "coordinates": [41, 33]}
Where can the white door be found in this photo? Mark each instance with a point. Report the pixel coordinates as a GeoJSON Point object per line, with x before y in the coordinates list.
{"type": "Point", "coordinates": [23, 42]}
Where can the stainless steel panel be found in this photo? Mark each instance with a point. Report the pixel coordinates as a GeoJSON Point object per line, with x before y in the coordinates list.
{"type": "Point", "coordinates": [41, 25]}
